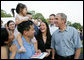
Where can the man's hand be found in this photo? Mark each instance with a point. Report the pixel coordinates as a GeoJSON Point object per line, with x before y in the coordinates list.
{"type": "Point", "coordinates": [13, 48]}
{"type": "Point", "coordinates": [53, 54]}
{"type": "Point", "coordinates": [77, 53]}
{"type": "Point", "coordinates": [48, 50]}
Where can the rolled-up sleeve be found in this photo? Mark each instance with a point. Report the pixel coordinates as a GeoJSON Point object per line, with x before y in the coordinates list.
{"type": "Point", "coordinates": [77, 40]}
{"type": "Point", "coordinates": [53, 42]}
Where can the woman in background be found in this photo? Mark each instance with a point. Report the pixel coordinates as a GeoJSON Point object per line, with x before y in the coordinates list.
{"type": "Point", "coordinates": [5, 45]}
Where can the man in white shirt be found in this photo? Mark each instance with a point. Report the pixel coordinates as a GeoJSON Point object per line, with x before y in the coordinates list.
{"type": "Point", "coordinates": [52, 26]}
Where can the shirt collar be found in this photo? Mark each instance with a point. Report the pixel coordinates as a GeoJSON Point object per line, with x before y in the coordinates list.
{"type": "Point", "coordinates": [24, 39]}
{"type": "Point", "coordinates": [67, 29]}
{"type": "Point", "coordinates": [51, 25]}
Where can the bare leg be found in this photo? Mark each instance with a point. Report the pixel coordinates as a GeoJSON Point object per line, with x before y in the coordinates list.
{"type": "Point", "coordinates": [20, 42]}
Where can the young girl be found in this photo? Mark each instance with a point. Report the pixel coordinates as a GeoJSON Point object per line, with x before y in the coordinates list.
{"type": "Point", "coordinates": [21, 9]}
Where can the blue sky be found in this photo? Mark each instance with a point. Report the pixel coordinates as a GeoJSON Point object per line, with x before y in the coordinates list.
{"type": "Point", "coordinates": [73, 9]}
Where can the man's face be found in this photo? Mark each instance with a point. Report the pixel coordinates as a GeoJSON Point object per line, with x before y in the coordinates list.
{"type": "Point", "coordinates": [11, 26]}
{"type": "Point", "coordinates": [58, 20]}
{"type": "Point", "coordinates": [51, 20]}
{"type": "Point", "coordinates": [30, 33]}
{"type": "Point", "coordinates": [30, 16]}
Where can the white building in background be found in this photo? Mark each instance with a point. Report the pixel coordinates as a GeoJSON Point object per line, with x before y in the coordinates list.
{"type": "Point", "coordinates": [6, 19]}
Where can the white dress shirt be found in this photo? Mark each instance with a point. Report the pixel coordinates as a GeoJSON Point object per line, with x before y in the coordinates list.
{"type": "Point", "coordinates": [52, 28]}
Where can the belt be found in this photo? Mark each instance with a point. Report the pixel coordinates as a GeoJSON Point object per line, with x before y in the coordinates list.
{"type": "Point", "coordinates": [66, 57]}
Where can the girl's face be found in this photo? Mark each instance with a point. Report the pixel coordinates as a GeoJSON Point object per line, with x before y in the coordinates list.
{"type": "Point", "coordinates": [24, 11]}
{"type": "Point", "coordinates": [12, 26]}
{"type": "Point", "coordinates": [43, 27]}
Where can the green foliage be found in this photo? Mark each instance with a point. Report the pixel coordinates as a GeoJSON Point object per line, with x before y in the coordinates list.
{"type": "Point", "coordinates": [77, 26]}
{"type": "Point", "coordinates": [47, 20]}
{"type": "Point", "coordinates": [69, 23]}
{"type": "Point", "coordinates": [32, 12]}
{"type": "Point", "coordinates": [4, 14]}
{"type": "Point", "coordinates": [39, 16]}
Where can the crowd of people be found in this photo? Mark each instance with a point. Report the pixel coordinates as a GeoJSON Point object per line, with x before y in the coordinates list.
{"type": "Point", "coordinates": [25, 37]}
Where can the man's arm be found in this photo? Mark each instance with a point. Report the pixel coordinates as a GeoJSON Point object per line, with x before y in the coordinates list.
{"type": "Point", "coordinates": [77, 53]}
{"type": "Point", "coordinates": [53, 47]}
{"type": "Point", "coordinates": [13, 49]}
{"type": "Point", "coordinates": [78, 44]}
{"type": "Point", "coordinates": [53, 54]}
{"type": "Point", "coordinates": [13, 55]}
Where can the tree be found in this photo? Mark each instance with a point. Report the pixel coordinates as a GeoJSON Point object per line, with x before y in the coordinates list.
{"type": "Point", "coordinates": [32, 12]}
{"type": "Point", "coordinates": [39, 16]}
{"type": "Point", "coordinates": [77, 26]}
{"type": "Point", "coordinates": [69, 23]}
{"type": "Point", "coordinates": [4, 14]}
{"type": "Point", "coordinates": [47, 20]}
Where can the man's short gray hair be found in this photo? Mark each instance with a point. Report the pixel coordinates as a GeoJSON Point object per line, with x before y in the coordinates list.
{"type": "Point", "coordinates": [63, 16]}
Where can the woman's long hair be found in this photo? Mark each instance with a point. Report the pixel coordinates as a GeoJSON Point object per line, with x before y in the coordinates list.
{"type": "Point", "coordinates": [47, 33]}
